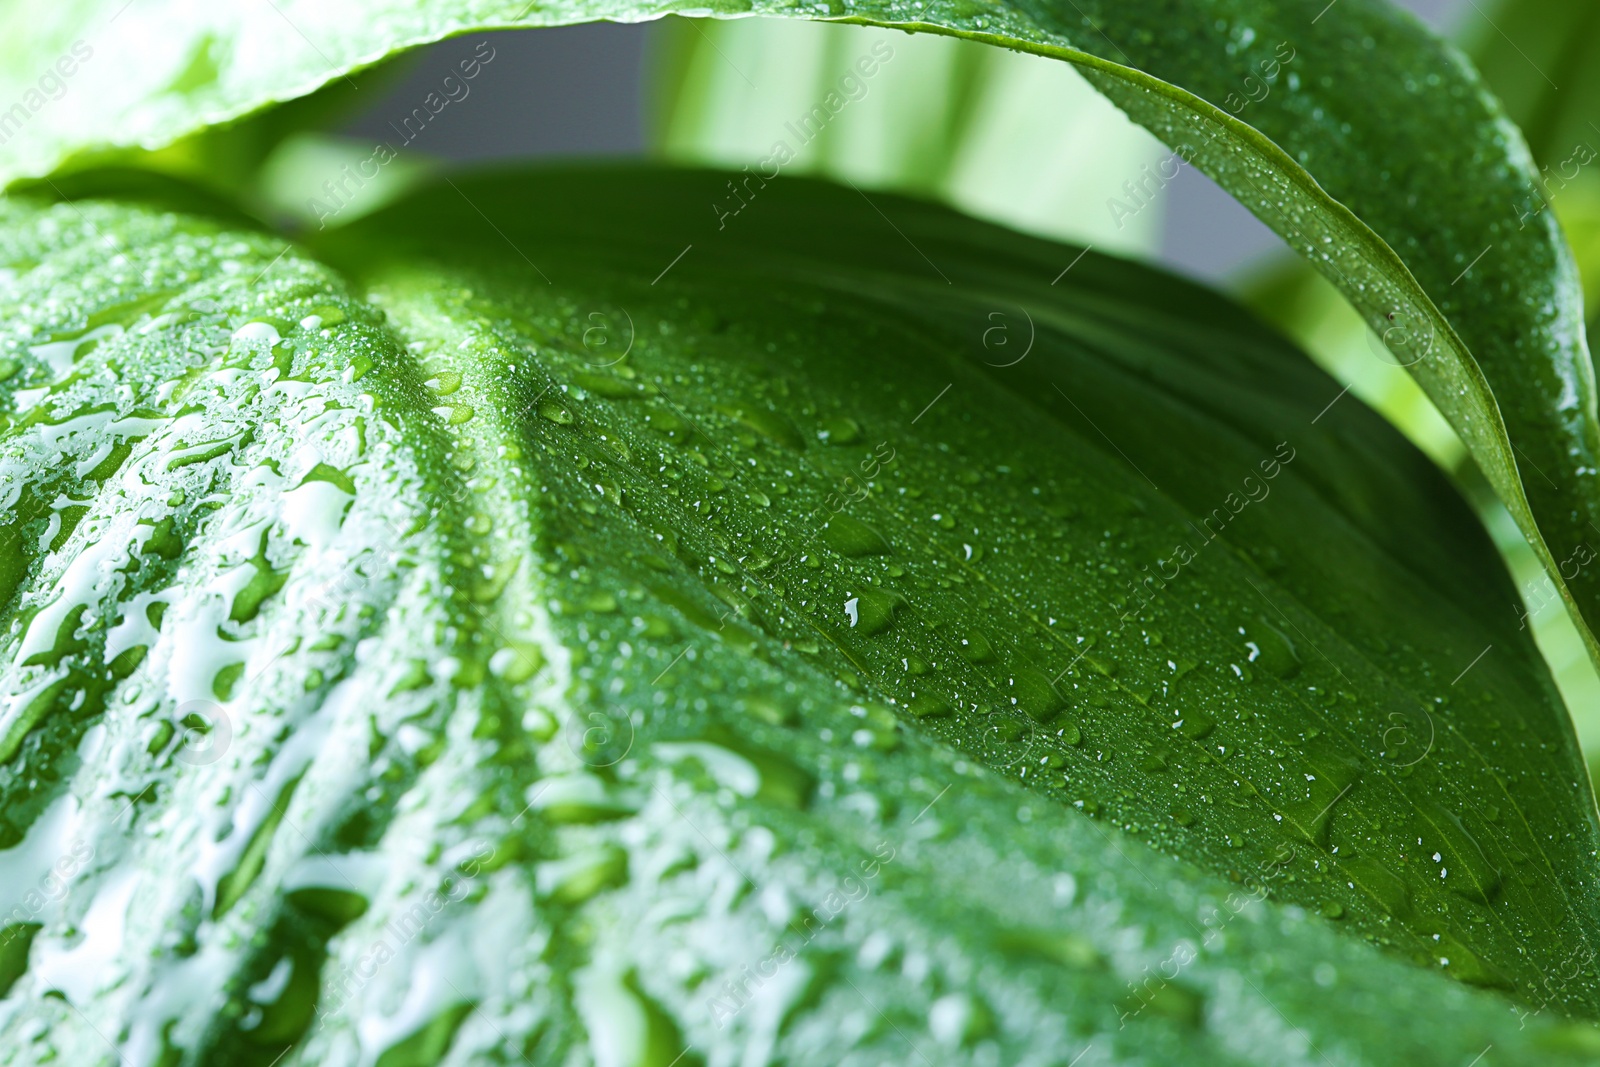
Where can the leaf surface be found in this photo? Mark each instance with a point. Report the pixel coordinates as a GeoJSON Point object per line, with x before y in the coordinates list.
{"type": "Point", "coordinates": [400, 611]}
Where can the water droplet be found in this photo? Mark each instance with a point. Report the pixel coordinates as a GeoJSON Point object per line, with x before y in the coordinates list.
{"type": "Point", "coordinates": [578, 798]}
{"type": "Point", "coordinates": [607, 386]}
{"type": "Point", "coordinates": [1271, 650]}
{"type": "Point", "coordinates": [258, 332]}
{"type": "Point", "coordinates": [445, 383]}
{"type": "Point", "coordinates": [575, 879]}
{"type": "Point", "coordinates": [1464, 965]}
{"type": "Point", "coordinates": [1372, 879]}
{"type": "Point", "coordinates": [853, 538]}
{"type": "Point", "coordinates": [1195, 724]}
{"type": "Point", "coordinates": [975, 648]}
{"type": "Point", "coordinates": [625, 1027]}
{"type": "Point", "coordinates": [517, 661]}
{"type": "Point", "coordinates": [957, 1019]}
{"type": "Point", "coordinates": [1311, 798]}
{"type": "Point", "coordinates": [872, 610]}
{"type": "Point", "coordinates": [1008, 729]}
{"type": "Point", "coordinates": [1035, 693]}
{"type": "Point", "coordinates": [839, 431]}
{"type": "Point", "coordinates": [1466, 869]}
{"type": "Point", "coordinates": [554, 411]}
{"type": "Point", "coordinates": [766, 422]}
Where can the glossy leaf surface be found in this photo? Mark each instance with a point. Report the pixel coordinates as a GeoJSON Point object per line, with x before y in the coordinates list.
{"type": "Point", "coordinates": [548, 599]}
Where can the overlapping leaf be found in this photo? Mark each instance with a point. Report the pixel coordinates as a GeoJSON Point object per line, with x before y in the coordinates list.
{"type": "Point", "coordinates": [1305, 113]}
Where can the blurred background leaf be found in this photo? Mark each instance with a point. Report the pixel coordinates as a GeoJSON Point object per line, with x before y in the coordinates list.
{"type": "Point", "coordinates": [1016, 139]}
{"type": "Point", "coordinates": [1542, 58]}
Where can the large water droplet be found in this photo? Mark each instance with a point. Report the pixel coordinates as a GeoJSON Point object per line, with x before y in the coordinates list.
{"type": "Point", "coordinates": [1036, 694]}
{"type": "Point", "coordinates": [872, 610]}
{"type": "Point", "coordinates": [1271, 649]}
{"type": "Point", "coordinates": [853, 538]}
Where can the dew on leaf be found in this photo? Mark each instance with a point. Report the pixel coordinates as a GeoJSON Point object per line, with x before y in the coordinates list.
{"type": "Point", "coordinates": [975, 647]}
{"type": "Point", "coordinates": [853, 538]}
{"type": "Point", "coordinates": [1035, 693]}
{"type": "Point", "coordinates": [839, 431]}
{"type": "Point", "coordinates": [552, 410]}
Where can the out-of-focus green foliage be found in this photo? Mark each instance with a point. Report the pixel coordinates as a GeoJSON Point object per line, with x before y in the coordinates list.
{"type": "Point", "coordinates": [1003, 135]}
{"type": "Point", "coordinates": [1542, 59]}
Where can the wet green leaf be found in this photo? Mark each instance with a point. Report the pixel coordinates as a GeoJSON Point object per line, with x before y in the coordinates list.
{"type": "Point", "coordinates": [661, 748]}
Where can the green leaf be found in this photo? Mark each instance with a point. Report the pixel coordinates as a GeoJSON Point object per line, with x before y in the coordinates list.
{"type": "Point", "coordinates": [636, 735]}
{"type": "Point", "coordinates": [1404, 194]}
{"type": "Point", "coordinates": [1546, 77]}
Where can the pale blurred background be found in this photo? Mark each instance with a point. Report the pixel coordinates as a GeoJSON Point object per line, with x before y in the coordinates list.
{"type": "Point", "coordinates": [950, 119]}
{"type": "Point", "coordinates": [963, 123]}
